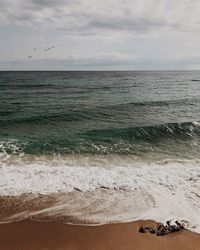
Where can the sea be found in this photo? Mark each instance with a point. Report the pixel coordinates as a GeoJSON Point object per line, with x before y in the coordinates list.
{"type": "Point", "coordinates": [96, 147]}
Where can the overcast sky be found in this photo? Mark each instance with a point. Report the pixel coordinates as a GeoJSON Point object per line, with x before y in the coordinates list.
{"type": "Point", "coordinates": [99, 34]}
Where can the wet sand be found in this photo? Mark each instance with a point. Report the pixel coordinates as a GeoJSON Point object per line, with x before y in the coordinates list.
{"type": "Point", "coordinates": [40, 235]}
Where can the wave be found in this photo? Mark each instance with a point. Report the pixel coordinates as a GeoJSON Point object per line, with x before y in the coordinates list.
{"type": "Point", "coordinates": [182, 101]}
{"type": "Point", "coordinates": [195, 80]}
{"type": "Point", "coordinates": [26, 86]}
{"type": "Point", "coordinates": [107, 141]}
{"type": "Point", "coordinates": [45, 118]}
{"type": "Point", "coordinates": [170, 130]}
{"type": "Point", "coordinates": [102, 112]}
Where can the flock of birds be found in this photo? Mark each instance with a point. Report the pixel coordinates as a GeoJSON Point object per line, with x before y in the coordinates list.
{"type": "Point", "coordinates": [45, 49]}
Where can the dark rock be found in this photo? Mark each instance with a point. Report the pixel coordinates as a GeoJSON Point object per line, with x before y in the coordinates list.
{"type": "Point", "coordinates": [77, 189]}
{"type": "Point", "coordinates": [159, 233]}
{"type": "Point", "coordinates": [104, 187]}
{"type": "Point", "coordinates": [160, 226]}
{"type": "Point", "coordinates": [142, 230]}
{"type": "Point", "coordinates": [152, 230]}
{"type": "Point", "coordinates": [163, 230]}
{"type": "Point", "coordinates": [179, 224]}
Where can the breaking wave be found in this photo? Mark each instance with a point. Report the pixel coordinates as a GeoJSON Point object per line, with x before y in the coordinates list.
{"type": "Point", "coordinates": [109, 141]}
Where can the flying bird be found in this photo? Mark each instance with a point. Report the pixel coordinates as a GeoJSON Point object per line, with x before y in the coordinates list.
{"type": "Point", "coordinates": [29, 56]}
{"type": "Point", "coordinates": [49, 48]}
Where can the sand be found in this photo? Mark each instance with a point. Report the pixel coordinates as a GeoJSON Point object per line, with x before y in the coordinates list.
{"type": "Point", "coordinates": [46, 235]}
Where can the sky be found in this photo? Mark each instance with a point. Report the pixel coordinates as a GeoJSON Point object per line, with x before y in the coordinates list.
{"type": "Point", "coordinates": [99, 34]}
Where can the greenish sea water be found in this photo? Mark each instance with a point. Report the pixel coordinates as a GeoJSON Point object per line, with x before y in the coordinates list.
{"type": "Point", "coordinates": [100, 113]}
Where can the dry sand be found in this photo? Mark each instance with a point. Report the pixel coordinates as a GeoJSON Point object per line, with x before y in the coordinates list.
{"type": "Point", "coordinates": [39, 235]}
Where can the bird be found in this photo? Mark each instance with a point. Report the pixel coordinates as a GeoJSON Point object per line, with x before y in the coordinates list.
{"type": "Point", "coordinates": [34, 49]}
{"type": "Point", "coordinates": [29, 56]}
{"type": "Point", "coordinates": [49, 48]}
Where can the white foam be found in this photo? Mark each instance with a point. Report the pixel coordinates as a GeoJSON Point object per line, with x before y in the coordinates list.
{"type": "Point", "coordinates": [12, 146]}
{"type": "Point", "coordinates": [158, 191]}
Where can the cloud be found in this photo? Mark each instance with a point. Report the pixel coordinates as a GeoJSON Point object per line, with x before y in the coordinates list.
{"type": "Point", "coordinates": [95, 23]}
{"type": "Point", "coordinates": [100, 33]}
{"type": "Point", "coordinates": [86, 17]}
{"type": "Point", "coordinates": [50, 3]}
{"type": "Point", "coordinates": [32, 12]}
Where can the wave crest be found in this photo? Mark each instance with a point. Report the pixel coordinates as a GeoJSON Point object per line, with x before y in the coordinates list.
{"type": "Point", "coordinates": [120, 141]}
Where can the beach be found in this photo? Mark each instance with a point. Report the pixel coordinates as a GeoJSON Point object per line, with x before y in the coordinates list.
{"type": "Point", "coordinates": [41, 235]}
{"type": "Point", "coordinates": [99, 125]}
{"type": "Point", "coordinates": [87, 157]}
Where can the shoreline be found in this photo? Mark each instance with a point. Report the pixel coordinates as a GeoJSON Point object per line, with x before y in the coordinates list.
{"type": "Point", "coordinates": [123, 236]}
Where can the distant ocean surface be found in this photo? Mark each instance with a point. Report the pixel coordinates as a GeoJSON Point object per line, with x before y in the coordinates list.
{"type": "Point", "coordinates": [128, 137]}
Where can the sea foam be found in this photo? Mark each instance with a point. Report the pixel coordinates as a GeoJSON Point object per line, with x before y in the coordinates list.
{"type": "Point", "coordinates": [129, 191]}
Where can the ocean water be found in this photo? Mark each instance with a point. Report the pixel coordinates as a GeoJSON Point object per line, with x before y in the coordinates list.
{"type": "Point", "coordinates": [99, 147]}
